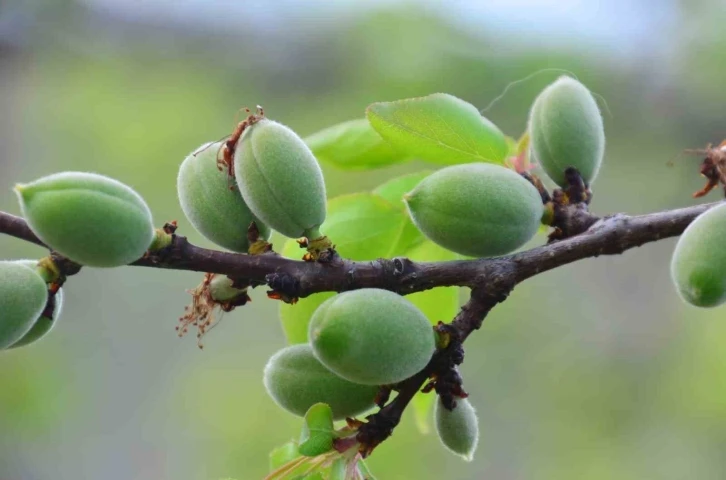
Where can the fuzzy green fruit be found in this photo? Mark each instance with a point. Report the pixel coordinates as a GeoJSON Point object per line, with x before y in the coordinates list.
{"type": "Point", "coordinates": [371, 336]}
{"type": "Point", "coordinates": [211, 206]}
{"type": "Point", "coordinates": [280, 179]}
{"type": "Point", "coordinates": [458, 429]}
{"type": "Point", "coordinates": [698, 266]}
{"type": "Point", "coordinates": [296, 380]}
{"type": "Point", "coordinates": [43, 324]}
{"type": "Point", "coordinates": [91, 219]}
{"type": "Point", "coordinates": [566, 130]}
{"type": "Point", "coordinates": [476, 209]}
{"type": "Point", "coordinates": [23, 297]}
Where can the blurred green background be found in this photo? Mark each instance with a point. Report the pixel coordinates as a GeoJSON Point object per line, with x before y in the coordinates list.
{"type": "Point", "coordinates": [593, 371]}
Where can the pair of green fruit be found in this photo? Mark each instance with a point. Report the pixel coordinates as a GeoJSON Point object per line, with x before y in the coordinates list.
{"type": "Point", "coordinates": [90, 219]}
{"type": "Point", "coordinates": [23, 300]}
{"type": "Point", "coordinates": [484, 210]}
{"type": "Point", "coordinates": [279, 185]}
{"type": "Point", "coordinates": [358, 340]}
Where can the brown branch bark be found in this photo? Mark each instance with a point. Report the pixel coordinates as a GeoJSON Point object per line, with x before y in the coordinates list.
{"type": "Point", "coordinates": [607, 236]}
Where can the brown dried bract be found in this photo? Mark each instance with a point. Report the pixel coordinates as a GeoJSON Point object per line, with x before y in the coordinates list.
{"type": "Point", "coordinates": [201, 313]}
{"type": "Point", "coordinates": [713, 167]}
{"type": "Point", "coordinates": [226, 160]}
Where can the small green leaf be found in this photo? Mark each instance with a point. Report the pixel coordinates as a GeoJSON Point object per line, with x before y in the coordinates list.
{"type": "Point", "coordinates": [353, 145]}
{"type": "Point", "coordinates": [283, 454]}
{"type": "Point", "coordinates": [439, 128]}
{"type": "Point", "coordinates": [422, 404]}
{"type": "Point", "coordinates": [365, 472]}
{"type": "Point", "coordinates": [338, 469]}
{"type": "Point", "coordinates": [295, 469]}
{"type": "Point", "coordinates": [318, 432]}
{"type": "Point", "coordinates": [394, 190]}
{"type": "Point", "coordinates": [314, 476]}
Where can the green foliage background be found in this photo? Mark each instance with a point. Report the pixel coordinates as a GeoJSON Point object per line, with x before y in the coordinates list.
{"type": "Point", "coordinates": [593, 371]}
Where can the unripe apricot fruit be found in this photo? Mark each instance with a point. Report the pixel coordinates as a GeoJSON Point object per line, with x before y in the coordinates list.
{"type": "Point", "coordinates": [280, 179]}
{"type": "Point", "coordinates": [23, 297]}
{"type": "Point", "coordinates": [566, 130]}
{"type": "Point", "coordinates": [88, 218]}
{"type": "Point", "coordinates": [214, 209]}
{"type": "Point", "coordinates": [371, 336]}
{"type": "Point", "coordinates": [476, 209]}
{"type": "Point", "coordinates": [43, 324]}
{"type": "Point", "coordinates": [698, 266]}
{"type": "Point", "coordinates": [458, 429]}
{"type": "Point", "coordinates": [296, 380]}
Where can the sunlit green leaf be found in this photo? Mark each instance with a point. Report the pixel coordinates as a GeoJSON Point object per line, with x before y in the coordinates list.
{"type": "Point", "coordinates": [394, 189]}
{"type": "Point", "coordinates": [422, 405]}
{"type": "Point", "coordinates": [318, 431]}
{"type": "Point", "coordinates": [439, 128]}
{"type": "Point", "coordinates": [353, 145]}
{"type": "Point", "coordinates": [295, 469]}
{"type": "Point", "coordinates": [364, 226]}
{"type": "Point", "coordinates": [314, 476]}
{"type": "Point", "coordinates": [295, 318]}
{"type": "Point", "coordinates": [363, 469]}
{"type": "Point", "coordinates": [283, 454]}
{"type": "Point", "coordinates": [338, 469]}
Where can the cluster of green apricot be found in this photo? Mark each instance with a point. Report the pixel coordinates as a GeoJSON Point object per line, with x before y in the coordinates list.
{"type": "Point", "coordinates": [89, 219]}
{"type": "Point", "coordinates": [358, 340]}
{"type": "Point", "coordinates": [483, 209]}
{"type": "Point", "coordinates": [277, 184]}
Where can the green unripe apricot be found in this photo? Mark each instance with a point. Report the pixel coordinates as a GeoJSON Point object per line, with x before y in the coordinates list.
{"type": "Point", "coordinates": [43, 324]}
{"type": "Point", "coordinates": [91, 219]}
{"type": "Point", "coordinates": [371, 336]}
{"type": "Point", "coordinates": [280, 179]}
{"type": "Point", "coordinates": [211, 206]}
{"type": "Point", "coordinates": [476, 209]}
{"type": "Point", "coordinates": [458, 429]}
{"type": "Point", "coordinates": [566, 130]}
{"type": "Point", "coordinates": [23, 297]}
{"type": "Point", "coordinates": [296, 380]}
{"type": "Point", "coordinates": [698, 266]}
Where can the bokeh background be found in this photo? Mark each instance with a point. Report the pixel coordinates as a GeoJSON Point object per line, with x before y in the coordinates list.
{"type": "Point", "coordinates": [593, 371]}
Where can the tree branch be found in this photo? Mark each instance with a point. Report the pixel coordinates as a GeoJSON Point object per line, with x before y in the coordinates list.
{"type": "Point", "coordinates": [607, 236]}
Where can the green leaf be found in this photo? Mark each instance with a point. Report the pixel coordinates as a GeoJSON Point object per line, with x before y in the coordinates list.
{"type": "Point", "coordinates": [318, 432]}
{"type": "Point", "coordinates": [362, 226]}
{"type": "Point", "coordinates": [353, 145]}
{"type": "Point", "coordinates": [338, 469]}
{"type": "Point", "coordinates": [283, 454]}
{"type": "Point", "coordinates": [439, 128]}
{"type": "Point", "coordinates": [314, 476]}
{"type": "Point", "coordinates": [394, 190]}
{"type": "Point", "coordinates": [423, 405]}
{"type": "Point", "coordinates": [295, 469]}
{"type": "Point", "coordinates": [439, 304]}
{"type": "Point", "coordinates": [295, 318]}
{"type": "Point", "coordinates": [363, 469]}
